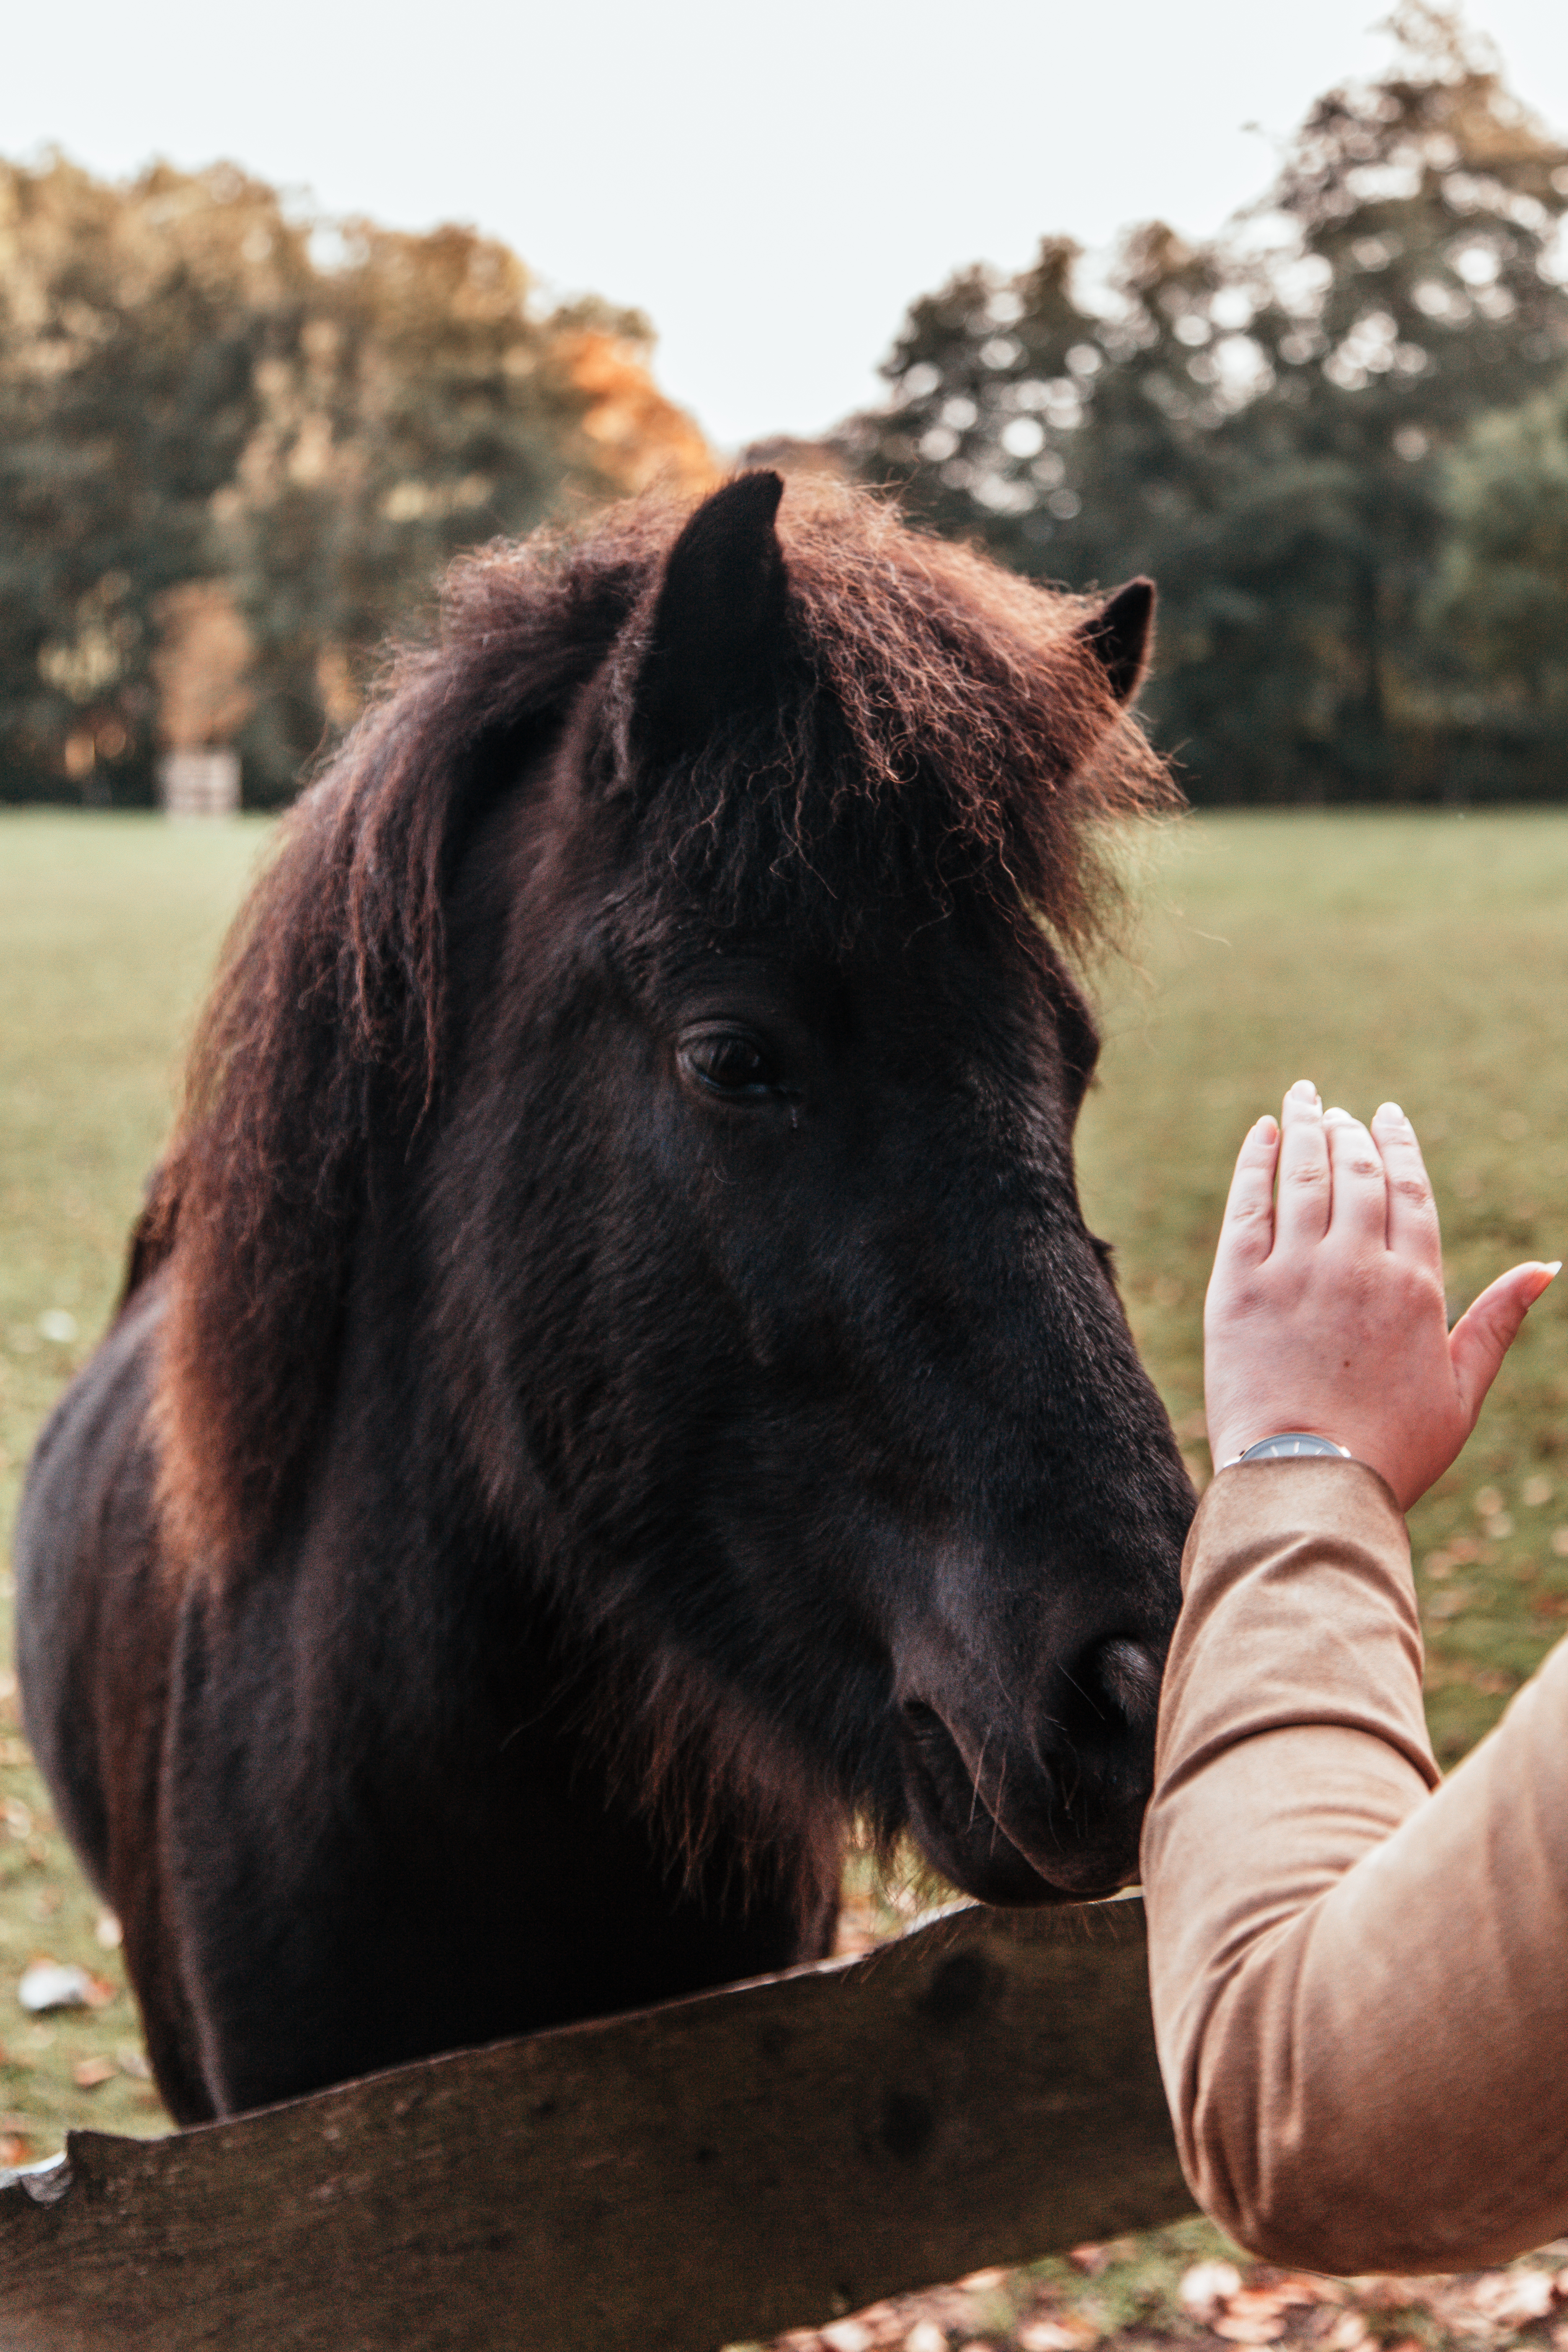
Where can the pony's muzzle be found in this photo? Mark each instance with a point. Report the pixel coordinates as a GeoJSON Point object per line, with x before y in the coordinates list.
{"type": "Point", "coordinates": [1047, 1808]}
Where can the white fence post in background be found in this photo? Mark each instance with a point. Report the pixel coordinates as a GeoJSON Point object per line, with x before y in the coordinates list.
{"type": "Point", "coordinates": [199, 784]}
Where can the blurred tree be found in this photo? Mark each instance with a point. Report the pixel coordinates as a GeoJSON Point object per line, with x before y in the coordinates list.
{"type": "Point", "coordinates": [1503, 593]}
{"type": "Point", "coordinates": [1426, 209]}
{"type": "Point", "coordinates": [1260, 423]}
{"type": "Point", "coordinates": [201, 667]}
{"type": "Point", "coordinates": [198, 387]}
{"type": "Point", "coordinates": [130, 325]}
{"type": "Point", "coordinates": [1497, 614]}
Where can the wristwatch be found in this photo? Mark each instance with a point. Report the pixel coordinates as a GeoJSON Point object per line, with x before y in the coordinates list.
{"type": "Point", "coordinates": [1289, 1445]}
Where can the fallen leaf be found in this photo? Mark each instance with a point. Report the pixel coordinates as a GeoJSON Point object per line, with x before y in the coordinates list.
{"type": "Point", "coordinates": [1061, 2331]}
{"type": "Point", "coordinates": [1207, 2284]}
{"type": "Point", "coordinates": [88, 2072]}
{"type": "Point", "coordinates": [1262, 2302]}
{"type": "Point", "coordinates": [1091, 2259]}
{"type": "Point", "coordinates": [1394, 2291]}
{"type": "Point", "coordinates": [132, 2060]}
{"type": "Point", "coordinates": [982, 2282]}
{"type": "Point", "coordinates": [1260, 2328]}
{"type": "Point", "coordinates": [1510, 2298]}
{"type": "Point", "coordinates": [109, 1932]}
{"type": "Point", "coordinates": [845, 2335]}
{"type": "Point", "coordinates": [15, 2149]}
{"type": "Point", "coordinates": [1347, 2334]}
{"type": "Point", "coordinates": [1300, 2287]}
{"type": "Point", "coordinates": [925, 2336]}
{"type": "Point", "coordinates": [49, 1984]}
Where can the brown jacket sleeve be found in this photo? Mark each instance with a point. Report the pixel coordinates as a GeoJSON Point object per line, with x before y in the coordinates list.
{"type": "Point", "coordinates": [1360, 1987]}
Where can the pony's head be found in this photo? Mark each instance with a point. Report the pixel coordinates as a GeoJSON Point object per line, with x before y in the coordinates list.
{"type": "Point", "coordinates": [684, 947]}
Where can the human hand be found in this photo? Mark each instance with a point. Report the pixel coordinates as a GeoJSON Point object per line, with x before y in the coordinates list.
{"type": "Point", "coordinates": [1325, 1309]}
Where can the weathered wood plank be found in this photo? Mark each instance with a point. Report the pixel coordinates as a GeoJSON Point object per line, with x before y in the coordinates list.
{"type": "Point", "coordinates": [983, 2090]}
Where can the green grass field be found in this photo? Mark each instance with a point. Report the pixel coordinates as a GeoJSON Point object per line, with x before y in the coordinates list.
{"type": "Point", "coordinates": [109, 926]}
{"type": "Point", "coordinates": [1420, 956]}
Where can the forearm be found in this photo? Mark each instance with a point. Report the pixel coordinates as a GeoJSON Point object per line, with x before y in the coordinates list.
{"type": "Point", "coordinates": [1358, 1986]}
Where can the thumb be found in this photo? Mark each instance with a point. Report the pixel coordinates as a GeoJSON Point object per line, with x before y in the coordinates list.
{"type": "Point", "coordinates": [1488, 1329]}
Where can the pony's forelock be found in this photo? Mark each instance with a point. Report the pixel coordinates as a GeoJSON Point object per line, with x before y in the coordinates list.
{"type": "Point", "coordinates": [942, 723]}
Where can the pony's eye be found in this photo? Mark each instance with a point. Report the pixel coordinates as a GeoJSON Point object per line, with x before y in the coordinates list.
{"type": "Point", "coordinates": [730, 1063]}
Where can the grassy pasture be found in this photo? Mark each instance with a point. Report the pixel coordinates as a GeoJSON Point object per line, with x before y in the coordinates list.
{"type": "Point", "coordinates": [109, 926]}
{"type": "Point", "coordinates": [1419, 956]}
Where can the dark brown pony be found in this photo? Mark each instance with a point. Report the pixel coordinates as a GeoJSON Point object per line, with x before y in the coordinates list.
{"type": "Point", "coordinates": [613, 1382]}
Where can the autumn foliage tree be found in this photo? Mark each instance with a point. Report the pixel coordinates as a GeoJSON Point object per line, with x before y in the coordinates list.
{"type": "Point", "coordinates": [201, 390]}
{"type": "Point", "coordinates": [1265, 424]}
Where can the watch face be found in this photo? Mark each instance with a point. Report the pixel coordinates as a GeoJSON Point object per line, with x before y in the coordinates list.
{"type": "Point", "coordinates": [1291, 1443]}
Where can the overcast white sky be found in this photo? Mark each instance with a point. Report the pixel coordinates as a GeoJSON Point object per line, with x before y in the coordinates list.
{"type": "Point", "coordinates": [772, 186]}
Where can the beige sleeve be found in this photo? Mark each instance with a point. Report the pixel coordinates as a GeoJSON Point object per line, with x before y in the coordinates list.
{"type": "Point", "coordinates": [1360, 1987]}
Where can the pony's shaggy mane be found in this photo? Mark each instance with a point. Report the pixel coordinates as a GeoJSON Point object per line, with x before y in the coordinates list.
{"type": "Point", "coordinates": [943, 719]}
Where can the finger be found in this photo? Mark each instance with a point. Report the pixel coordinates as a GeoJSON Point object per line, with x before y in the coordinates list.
{"type": "Point", "coordinates": [1247, 1234]}
{"type": "Point", "coordinates": [1413, 1228]}
{"type": "Point", "coordinates": [1357, 1208]}
{"type": "Point", "coordinates": [1301, 1211]}
{"type": "Point", "coordinates": [1488, 1329]}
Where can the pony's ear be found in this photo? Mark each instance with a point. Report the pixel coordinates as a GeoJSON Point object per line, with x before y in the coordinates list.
{"type": "Point", "coordinates": [718, 621]}
{"type": "Point", "coordinates": [1121, 635]}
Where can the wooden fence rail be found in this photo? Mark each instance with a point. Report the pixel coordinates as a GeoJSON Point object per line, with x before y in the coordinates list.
{"type": "Point", "coordinates": [982, 2091]}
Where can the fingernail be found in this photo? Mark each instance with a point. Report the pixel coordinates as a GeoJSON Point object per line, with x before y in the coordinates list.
{"type": "Point", "coordinates": [1388, 1110]}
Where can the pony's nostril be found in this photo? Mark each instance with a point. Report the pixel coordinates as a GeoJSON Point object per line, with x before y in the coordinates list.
{"type": "Point", "coordinates": [1129, 1674]}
